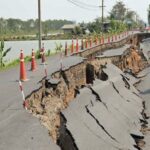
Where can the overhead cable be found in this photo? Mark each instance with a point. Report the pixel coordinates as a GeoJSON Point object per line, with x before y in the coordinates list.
{"type": "Point", "coordinates": [81, 5]}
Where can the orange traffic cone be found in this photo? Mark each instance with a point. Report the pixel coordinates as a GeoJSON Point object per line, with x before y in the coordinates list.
{"type": "Point", "coordinates": [77, 46]}
{"type": "Point", "coordinates": [86, 43]}
{"type": "Point", "coordinates": [66, 49]}
{"type": "Point", "coordinates": [23, 76]}
{"type": "Point", "coordinates": [33, 62]}
{"type": "Point", "coordinates": [43, 55]}
{"type": "Point", "coordinates": [90, 42]}
{"type": "Point", "coordinates": [72, 47]}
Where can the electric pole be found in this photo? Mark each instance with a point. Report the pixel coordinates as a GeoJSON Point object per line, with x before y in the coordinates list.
{"type": "Point", "coordinates": [149, 15]}
{"type": "Point", "coordinates": [39, 24]}
{"type": "Point", "coordinates": [102, 7]}
{"type": "Point", "coordinates": [102, 11]}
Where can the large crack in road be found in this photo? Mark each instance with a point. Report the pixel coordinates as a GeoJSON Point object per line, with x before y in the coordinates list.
{"type": "Point", "coordinates": [109, 107]}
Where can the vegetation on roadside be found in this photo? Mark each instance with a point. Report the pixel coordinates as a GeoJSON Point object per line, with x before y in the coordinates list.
{"type": "Point", "coordinates": [6, 65]}
{"type": "Point", "coordinates": [3, 53]}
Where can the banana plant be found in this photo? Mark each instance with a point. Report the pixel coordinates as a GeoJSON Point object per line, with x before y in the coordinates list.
{"type": "Point", "coordinates": [3, 53]}
{"type": "Point", "coordinates": [58, 47]}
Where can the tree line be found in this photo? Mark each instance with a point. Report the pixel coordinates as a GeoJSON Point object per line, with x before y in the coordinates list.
{"type": "Point", "coordinates": [120, 18]}
{"type": "Point", "coordinates": [18, 26]}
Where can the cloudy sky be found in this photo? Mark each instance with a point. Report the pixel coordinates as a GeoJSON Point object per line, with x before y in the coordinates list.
{"type": "Point", "coordinates": [62, 9]}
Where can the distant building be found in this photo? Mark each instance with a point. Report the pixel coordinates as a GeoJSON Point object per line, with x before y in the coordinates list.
{"type": "Point", "coordinates": [69, 28]}
{"type": "Point", "coordinates": [106, 25]}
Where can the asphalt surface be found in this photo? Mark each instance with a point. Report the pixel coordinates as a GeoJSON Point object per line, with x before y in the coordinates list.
{"type": "Point", "coordinates": [144, 88]}
{"type": "Point", "coordinates": [19, 130]}
{"type": "Point", "coordinates": [99, 123]}
{"type": "Point", "coordinates": [114, 52]}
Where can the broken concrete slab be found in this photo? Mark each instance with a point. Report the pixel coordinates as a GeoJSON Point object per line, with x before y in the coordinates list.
{"type": "Point", "coordinates": [91, 108]}
{"type": "Point", "coordinates": [114, 52]}
{"type": "Point", "coordinates": [90, 131]}
{"type": "Point", "coordinates": [145, 48]}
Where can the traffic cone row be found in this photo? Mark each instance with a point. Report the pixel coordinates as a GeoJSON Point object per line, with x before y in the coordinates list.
{"type": "Point", "coordinates": [23, 76]}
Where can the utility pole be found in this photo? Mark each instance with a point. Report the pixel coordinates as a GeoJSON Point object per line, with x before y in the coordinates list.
{"type": "Point", "coordinates": [102, 7]}
{"type": "Point", "coordinates": [102, 11]}
{"type": "Point", "coordinates": [39, 24]}
{"type": "Point", "coordinates": [149, 15]}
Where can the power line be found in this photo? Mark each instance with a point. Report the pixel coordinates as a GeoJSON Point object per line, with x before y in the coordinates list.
{"type": "Point", "coordinates": [88, 5]}
{"type": "Point", "coordinates": [82, 5]}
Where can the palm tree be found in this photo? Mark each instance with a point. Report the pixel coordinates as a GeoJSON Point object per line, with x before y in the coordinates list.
{"type": "Point", "coordinates": [3, 53]}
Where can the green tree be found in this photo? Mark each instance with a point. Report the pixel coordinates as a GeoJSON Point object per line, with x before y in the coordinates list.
{"type": "Point", "coordinates": [95, 26]}
{"type": "Point", "coordinates": [118, 11]}
{"type": "Point", "coordinates": [77, 30]}
{"type": "Point", "coordinates": [3, 53]}
{"type": "Point", "coordinates": [130, 15]}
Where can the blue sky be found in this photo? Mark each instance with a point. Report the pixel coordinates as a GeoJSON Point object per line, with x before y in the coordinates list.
{"type": "Point", "coordinates": [62, 9]}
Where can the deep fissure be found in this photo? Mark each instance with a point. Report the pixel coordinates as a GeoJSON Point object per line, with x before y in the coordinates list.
{"type": "Point", "coordinates": [98, 97]}
{"type": "Point", "coordinates": [65, 139]}
{"type": "Point", "coordinates": [96, 120]}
